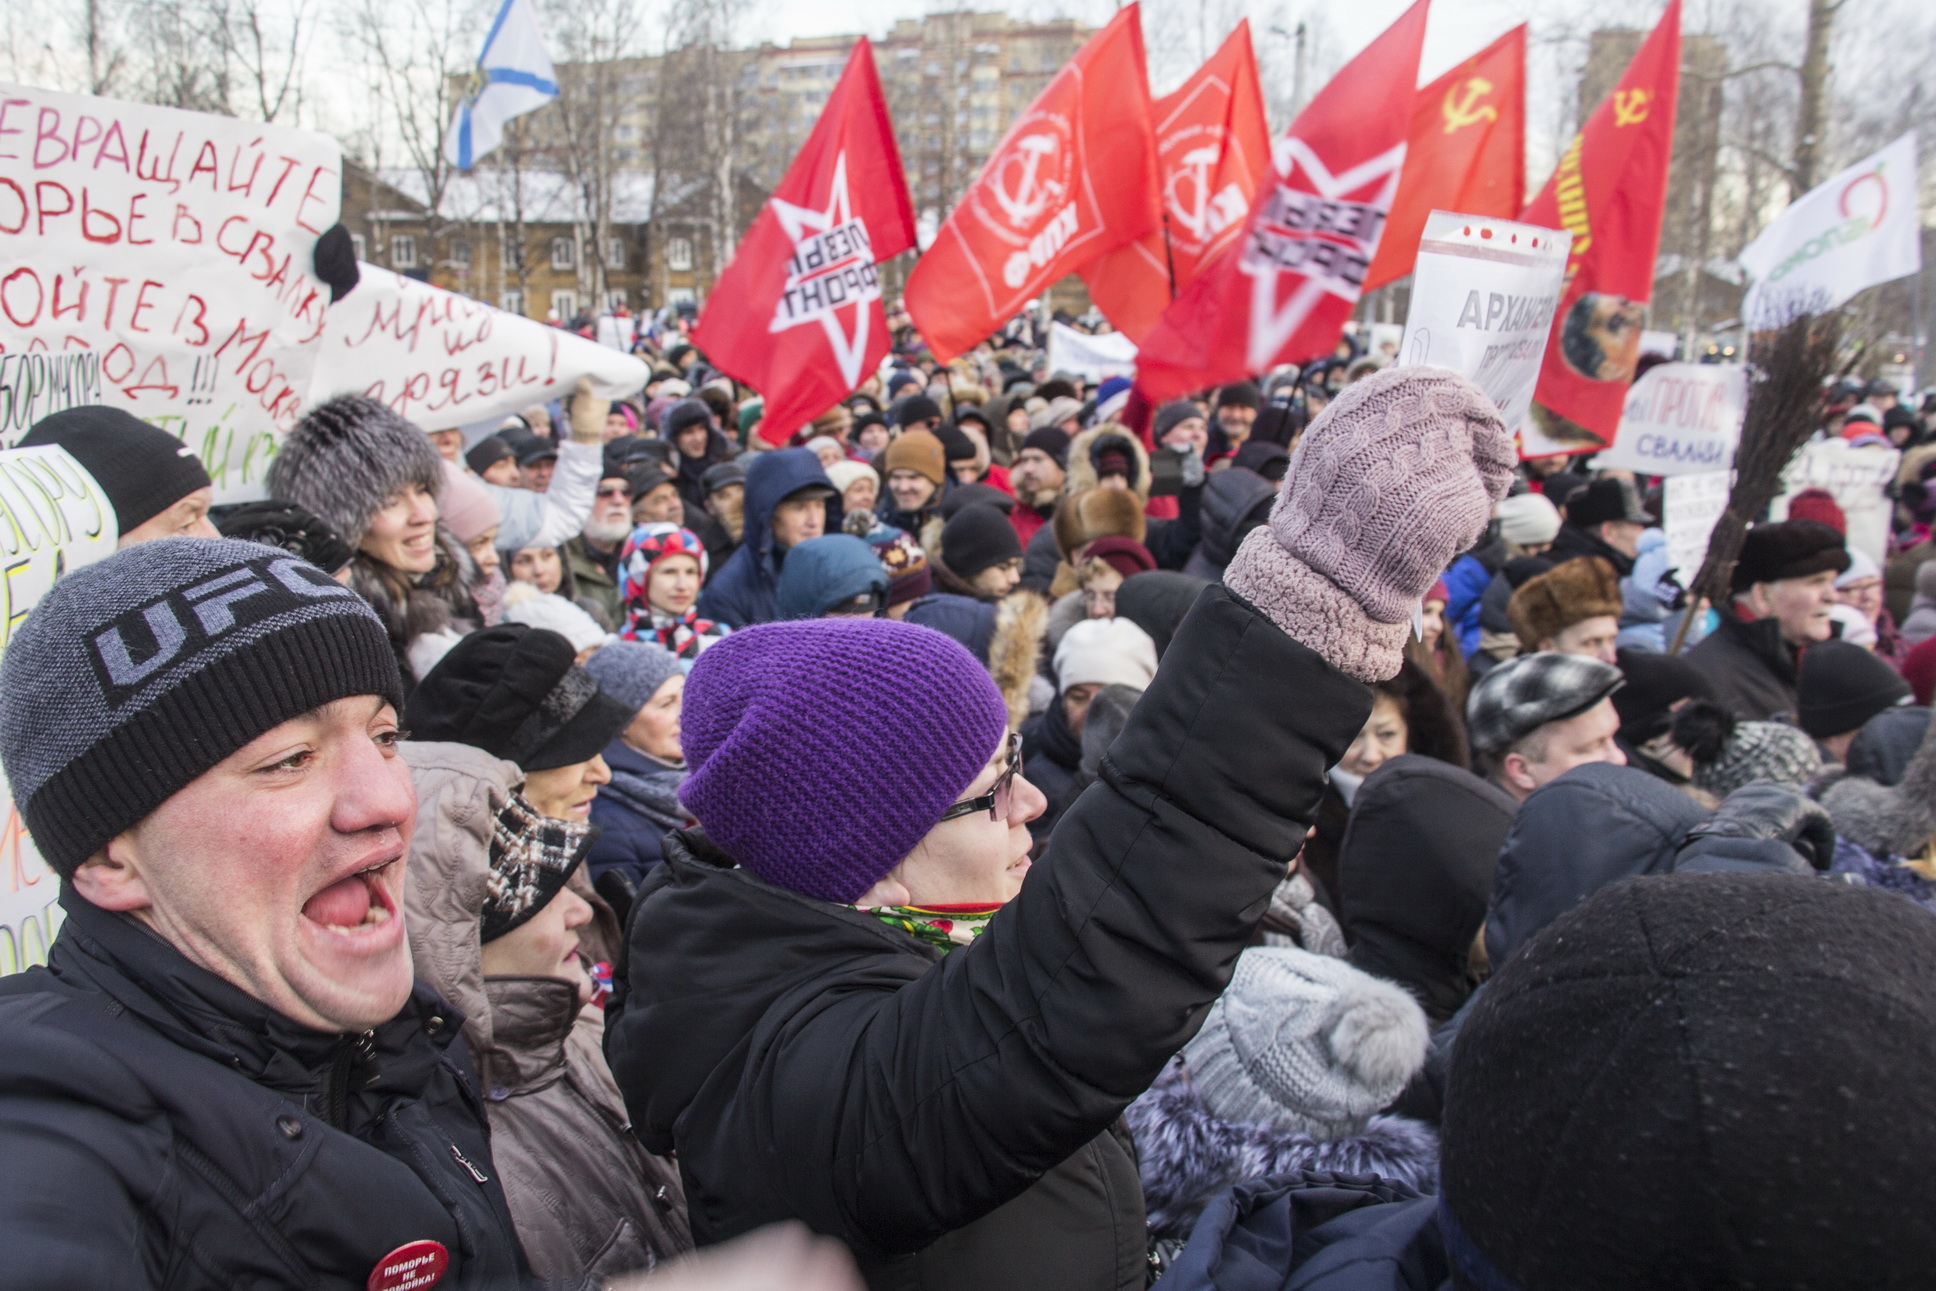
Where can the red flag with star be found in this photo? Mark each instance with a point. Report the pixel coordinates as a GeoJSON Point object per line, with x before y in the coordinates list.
{"type": "Point", "coordinates": [1212, 152]}
{"type": "Point", "coordinates": [797, 315]}
{"type": "Point", "coordinates": [1609, 191]}
{"type": "Point", "coordinates": [1282, 293]}
{"type": "Point", "coordinates": [1075, 176]}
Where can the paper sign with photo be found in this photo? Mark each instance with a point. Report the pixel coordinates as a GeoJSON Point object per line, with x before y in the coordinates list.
{"type": "Point", "coordinates": [1483, 295]}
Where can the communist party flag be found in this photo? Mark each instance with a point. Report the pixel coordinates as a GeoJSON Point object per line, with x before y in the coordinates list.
{"type": "Point", "coordinates": [1467, 152]}
{"type": "Point", "coordinates": [1608, 191]}
{"type": "Point", "coordinates": [1282, 293]}
{"type": "Point", "coordinates": [797, 315]}
{"type": "Point", "coordinates": [1074, 177]}
{"type": "Point", "coordinates": [1212, 153]}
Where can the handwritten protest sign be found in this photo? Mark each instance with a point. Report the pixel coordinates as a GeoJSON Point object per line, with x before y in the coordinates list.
{"type": "Point", "coordinates": [442, 360]}
{"type": "Point", "coordinates": [53, 518]}
{"type": "Point", "coordinates": [1093, 358]}
{"type": "Point", "coordinates": [1681, 419]}
{"type": "Point", "coordinates": [1483, 296]}
{"type": "Point", "coordinates": [160, 261]}
{"type": "Point", "coordinates": [1690, 506]}
{"type": "Point", "coordinates": [1856, 478]}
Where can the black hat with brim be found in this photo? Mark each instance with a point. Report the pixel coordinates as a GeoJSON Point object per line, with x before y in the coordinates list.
{"type": "Point", "coordinates": [517, 693]}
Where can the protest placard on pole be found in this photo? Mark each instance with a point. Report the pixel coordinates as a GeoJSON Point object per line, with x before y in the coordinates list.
{"type": "Point", "coordinates": [1690, 506]}
{"type": "Point", "coordinates": [1681, 419]}
{"type": "Point", "coordinates": [1856, 477]}
{"type": "Point", "coordinates": [1093, 358]}
{"type": "Point", "coordinates": [53, 518]}
{"type": "Point", "coordinates": [443, 360]}
{"type": "Point", "coordinates": [1483, 295]}
{"type": "Point", "coordinates": [160, 261]}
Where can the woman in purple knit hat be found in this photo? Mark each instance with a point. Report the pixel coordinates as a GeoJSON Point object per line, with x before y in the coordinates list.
{"type": "Point", "coordinates": [848, 999]}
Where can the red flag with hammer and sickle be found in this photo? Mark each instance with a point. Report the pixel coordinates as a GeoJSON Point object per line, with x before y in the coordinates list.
{"type": "Point", "coordinates": [1609, 192]}
{"type": "Point", "coordinates": [1282, 292]}
{"type": "Point", "coordinates": [1212, 153]}
{"type": "Point", "coordinates": [1074, 177]}
{"type": "Point", "coordinates": [1467, 152]}
{"type": "Point", "coordinates": [797, 315]}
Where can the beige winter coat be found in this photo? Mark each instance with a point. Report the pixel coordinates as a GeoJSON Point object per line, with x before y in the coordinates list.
{"type": "Point", "coordinates": [587, 1199]}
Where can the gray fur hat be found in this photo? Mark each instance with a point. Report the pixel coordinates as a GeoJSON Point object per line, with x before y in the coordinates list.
{"type": "Point", "coordinates": [1306, 1044]}
{"type": "Point", "coordinates": [348, 457]}
{"type": "Point", "coordinates": [1889, 820]}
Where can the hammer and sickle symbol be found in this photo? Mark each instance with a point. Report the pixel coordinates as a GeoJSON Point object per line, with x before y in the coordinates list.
{"type": "Point", "coordinates": [1630, 106]}
{"type": "Point", "coordinates": [1030, 196]}
{"type": "Point", "coordinates": [1465, 112]}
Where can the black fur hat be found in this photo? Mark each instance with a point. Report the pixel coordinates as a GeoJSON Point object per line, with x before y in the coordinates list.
{"type": "Point", "coordinates": [1788, 549]}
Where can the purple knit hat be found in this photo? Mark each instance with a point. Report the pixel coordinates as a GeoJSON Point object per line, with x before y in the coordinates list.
{"type": "Point", "coordinates": [786, 727]}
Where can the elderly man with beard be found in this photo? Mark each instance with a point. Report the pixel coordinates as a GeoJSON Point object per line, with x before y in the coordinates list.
{"type": "Point", "coordinates": [593, 554]}
{"type": "Point", "coordinates": [225, 1074]}
{"type": "Point", "coordinates": [1038, 474]}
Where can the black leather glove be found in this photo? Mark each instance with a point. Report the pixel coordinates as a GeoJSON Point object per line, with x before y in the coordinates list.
{"type": "Point", "coordinates": [1766, 810]}
{"type": "Point", "coordinates": [335, 261]}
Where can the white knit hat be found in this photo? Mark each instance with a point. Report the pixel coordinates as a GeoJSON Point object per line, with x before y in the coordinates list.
{"type": "Point", "coordinates": [1528, 519]}
{"type": "Point", "coordinates": [1105, 652]}
{"type": "Point", "coordinates": [1306, 1044]}
{"type": "Point", "coordinates": [844, 474]}
{"type": "Point", "coordinates": [525, 604]}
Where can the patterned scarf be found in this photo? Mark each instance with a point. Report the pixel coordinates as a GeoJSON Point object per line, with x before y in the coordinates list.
{"type": "Point", "coordinates": [680, 634]}
{"type": "Point", "coordinates": [532, 856]}
{"type": "Point", "coordinates": [946, 926]}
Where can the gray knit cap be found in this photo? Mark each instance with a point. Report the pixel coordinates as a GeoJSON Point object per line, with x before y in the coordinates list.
{"type": "Point", "coordinates": [1760, 751]}
{"type": "Point", "coordinates": [632, 671]}
{"type": "Point", "coordinates": [135, 675]}
{"type": "Point", "coordinates": [1306, 1044]}
{"type": "Point", "coordinates": [348, 457]}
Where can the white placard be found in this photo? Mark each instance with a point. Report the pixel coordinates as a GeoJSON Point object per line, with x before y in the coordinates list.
{"type": "Point", "coordinates": [1093, 358]}
{"type": "Point", "coordinates": [1680, 419]}
{"type": "Point", "coordinates": [1690, 505]}
{"type": "Point", "coordinates": [161, 261]}
{"type": "Point", "coordinates": [1483, 295]}
{"type": "Point", "coordinates": [443, 360]}
{"type": "Point", "coordinates": [1856, 477]}
{"type": "Point", "coordinates": [53, 518]}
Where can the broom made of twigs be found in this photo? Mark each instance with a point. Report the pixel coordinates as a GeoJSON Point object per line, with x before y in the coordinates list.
{"type": "Point", "coordinates": [1784, 408]}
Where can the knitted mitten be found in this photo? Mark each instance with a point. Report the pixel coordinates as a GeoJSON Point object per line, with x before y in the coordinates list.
{"type": "Point", "coordinates": [586, 413]}
{"type": "Point", "coordinates": [1394, 479]}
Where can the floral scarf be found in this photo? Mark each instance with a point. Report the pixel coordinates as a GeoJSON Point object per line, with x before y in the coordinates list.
{"type": "Point", "coordinates": [946, 926]}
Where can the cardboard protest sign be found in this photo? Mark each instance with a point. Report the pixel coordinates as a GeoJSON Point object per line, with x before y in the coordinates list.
{"type": "Point", "coordinates": [443, 360]}
{"type": "Point", "coordinates": [1856, 477]}
{"type": "Point", "coordinates": [1690, 506]}
{"type": "Point", "coordinates": [53, 518]}
{"type": "Point", "coordinates": [1681, 419]}
{"type": "Point", "coordinates": [160, 261]}
{"type": "Point", "coordinates": [1093, 358]}
{"type": "Point", "coordinates": [1483, 294]}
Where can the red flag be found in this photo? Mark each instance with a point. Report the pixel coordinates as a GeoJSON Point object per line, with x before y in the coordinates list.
{"type": "Point", "coordinates": [797, 314]}
{"type": "Point", "coordinates": [1282, 293]}
{"type": "Point", "coordinates": [1075, 176]}
{"type": "Point", "coordinates": [1212, 153]}
{"type": "Point", "coordinates": [1467, 152]}
{"type": "Point", "coordinates": [1608, 191]}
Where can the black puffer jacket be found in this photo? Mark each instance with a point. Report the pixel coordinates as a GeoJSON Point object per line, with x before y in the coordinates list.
{"type": "Point", "coordinates": [159, 1128]}
{"type": "Point", "coordinates": [949, 1117]}
{"type": "Point", "coordinates": [1752, 670]}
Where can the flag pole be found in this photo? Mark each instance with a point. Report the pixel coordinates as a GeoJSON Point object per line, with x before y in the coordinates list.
{"type": "Point", "coordinates": [1169, 257]}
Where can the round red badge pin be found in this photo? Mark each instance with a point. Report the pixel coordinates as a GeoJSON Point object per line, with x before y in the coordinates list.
{"type": "Point", "coordinates": [409, 1267]}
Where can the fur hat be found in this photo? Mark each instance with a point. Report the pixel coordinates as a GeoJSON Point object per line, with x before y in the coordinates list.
{"type": "Point", "coordinates": [1098, 513]}
{"type": "Point", "coordinates": [348, 457]}
{"type": "Point", "coordinates": [1081, 466]}
{"type": "Point", "coordinates": [1788, 549]}
{"type": "Point", "coordinates": [1569, 593]}
{"type": "Point", "coordinates": [1305, 1043]}
{"type": "Point", "coordinates": [1889, 820]}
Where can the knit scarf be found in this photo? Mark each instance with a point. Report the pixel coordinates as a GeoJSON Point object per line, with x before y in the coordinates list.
{"type": "Point", "coordinates": [946, 926]}
{"type": "Point", "coordinates": [677, 633]}
{"type": "Point", "coordinates": [532, 856]}
{"type": "Point", "coordinates": [652, 794]}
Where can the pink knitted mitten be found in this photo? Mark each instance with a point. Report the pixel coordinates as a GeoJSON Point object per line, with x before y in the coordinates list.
{"type": "Point", "coordinates": [1392, 481]}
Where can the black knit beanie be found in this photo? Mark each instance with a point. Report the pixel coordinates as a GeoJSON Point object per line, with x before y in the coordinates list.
{"type": "Point", "coordinates": [1788, 549]}
{"type": "Point", "coordinates": [955, 446]}
{"type": "Point", "coordinates": [1052, 440]}
{"type": "Point", "coordinates": [1842, 686]}
{"type": "Point", "coordinates": [1171, 415]}
{"type": "Point", "coordinates": [348, 458]}
{"type": "Point", "coordinates": [1712, 1080]}
{"type": "Point", "coordinates": [487, 452]}
{"type": "Point", "coordinates": [135, 675]}
{"type": "Point", "coordinates": [1240, 394]}
{"type": "Point", "coordinates": [143, 469]}
{"type": "Point", "coordinates": [979, 537]}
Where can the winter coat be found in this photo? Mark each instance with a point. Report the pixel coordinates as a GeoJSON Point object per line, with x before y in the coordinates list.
{"type": "Point", "coordinates": [1040, 558]}
{"type": "Point", "coordinates": [1170, 541]}
{"type": "Point", "coordinates": [1235, 501]}
{"type": "Point", "coordinates": [745, 590]}
{"type": "Point", "coordinates": [1314, 1231]}
{"type": "Point", "coordinates": [1899, 578]}
{"type": "Point", "coordinates": [1051, 756]}
{"type": "Point", "coordinates": [1573, 542]}
{"type": "Point", "coordinates": [588, 1200]}
{"type": "Point", "coordinates": [594, 581]}
{"type": "Point", "coordinates": [414, 607]}
{"type": "Point", "coordinates": [1856, 862]}
{"type": "Point", "coordinates": [1415, 875]}
{"type": "Point", "coordinates": [948, 1117]}
{"type": "Point", "coordinates": [162, 1128]}
{"type": "Point", "coordinates": [1466, 581]}
{"type": "Point", "coordinates": [529, 519]}
{"type": "Point", "coordinates": [691, 471]}
{"type": "Point", "coordinates": [1187, 1155]}
{"type": "Point", "coordinates": [1005, 637]}
{"type": "Point", "coordinates": [634, 812]}
{"type": "Point", "coordinates": [1156, 601]}
{"type": "Point", "coordinates": [1752, 669]}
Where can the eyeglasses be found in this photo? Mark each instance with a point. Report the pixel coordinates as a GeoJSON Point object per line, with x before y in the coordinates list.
{"type": "Point", "coordinates": [996, 801]}
{"type": "Point", "coordinates": [615, 491]}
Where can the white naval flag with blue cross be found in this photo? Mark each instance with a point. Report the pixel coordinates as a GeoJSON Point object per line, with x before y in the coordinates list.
{"type": "Point", "coordinates": [514, 76]}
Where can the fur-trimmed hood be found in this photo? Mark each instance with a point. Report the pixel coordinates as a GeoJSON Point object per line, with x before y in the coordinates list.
{"type": "Point", "coordinates": [1015, 649]}
{"type": "Point", "coordinates": [1082, 463]}
{"type": "Point", "coordinates": [1889, 820]}
{"type": "Point", "coordinates": [1187, 1156]}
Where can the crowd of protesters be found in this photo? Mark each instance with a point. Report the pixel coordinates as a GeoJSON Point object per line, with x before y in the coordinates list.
{"type": "Point", "coordinates": [1033, 838]}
